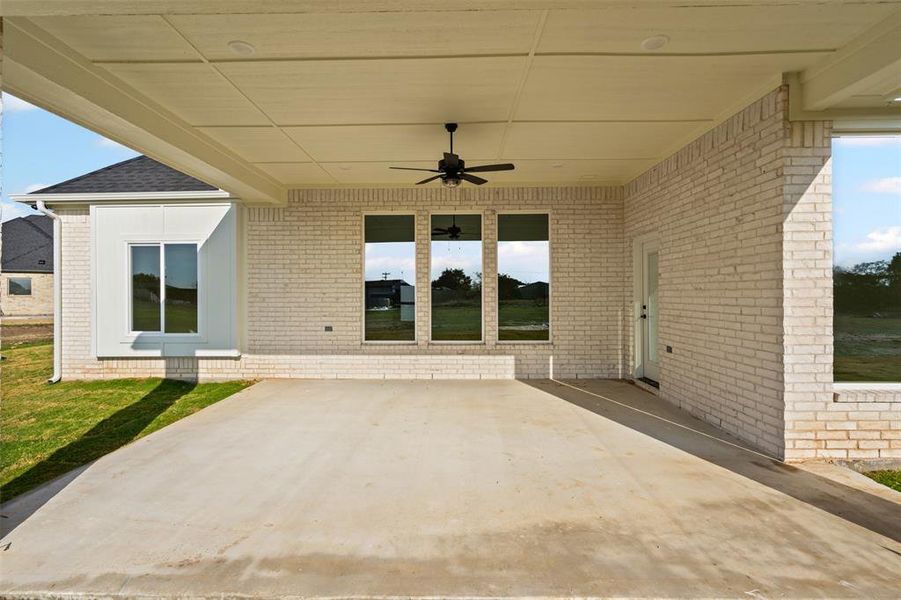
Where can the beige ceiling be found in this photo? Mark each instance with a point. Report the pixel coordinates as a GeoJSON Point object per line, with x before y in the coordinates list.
{"type": "Point", "coordinates": [332, 98]}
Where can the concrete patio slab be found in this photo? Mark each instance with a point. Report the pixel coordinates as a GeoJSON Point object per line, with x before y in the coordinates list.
{"type": "Point", "coordinates": [449, 489]}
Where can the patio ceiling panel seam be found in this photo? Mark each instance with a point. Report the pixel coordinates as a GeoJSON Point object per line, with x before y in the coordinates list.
{"type": "Point", "coordinates": [527, 68]}
{"type": "Point", "coordinates": [225, 78]}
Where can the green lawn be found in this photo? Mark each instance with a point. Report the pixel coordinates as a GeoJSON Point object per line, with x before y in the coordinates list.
{"type": "Point", "coordinates": [867, 348]}
{"type": "Point", "coordinates": [180, 318]}
{"type": "Point", "coordinates": [384, 325]}
{"type": "Point", "coordinates": [47, 430]}
{"type": "Point", "coordinates": [457, 322]}
{"type": "Point", "coordinates": [891, 479]}
{"type": "Point", "coordinates": [523, 320]}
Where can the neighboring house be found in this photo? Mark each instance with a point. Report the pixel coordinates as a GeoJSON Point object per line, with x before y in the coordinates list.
{"type": "Point", "coordinates": [538, 290]}
{"type": "Point", "coordinates": [681, 180]}
{"type": "Point", "coordinates": [26, 276]}
{"type": "Point", "coordinates": [384, 292]}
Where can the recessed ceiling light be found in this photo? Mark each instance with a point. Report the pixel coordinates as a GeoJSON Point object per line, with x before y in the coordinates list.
{"type": "Point", "coordinates": [241, 48]}
{"type": "Point", "coordinates": [655, 42]}
{"type": "Point", "coordinates": [896, 99]}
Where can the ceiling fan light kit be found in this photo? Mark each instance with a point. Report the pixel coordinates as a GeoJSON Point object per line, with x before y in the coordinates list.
{"type": "Point", "coordinates": [452, 170]}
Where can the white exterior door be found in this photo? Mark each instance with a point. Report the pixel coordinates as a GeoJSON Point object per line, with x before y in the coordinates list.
{"type": "Point", "coordinates": [649, 311]}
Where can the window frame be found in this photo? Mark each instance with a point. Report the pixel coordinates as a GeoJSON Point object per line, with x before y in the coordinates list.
{"type": "Point", "coordinates": [389, 213]}
{"type": "Point", "coordinates": [30, 287]}
{"type": "Point", "coordinates": [550, 277]}
{"type": "Point", "coordinates": [481, 341]}
{"type": "Point", "coordinates": [130, 298]}
{"type": "Point", "coordinates": [845, 385]}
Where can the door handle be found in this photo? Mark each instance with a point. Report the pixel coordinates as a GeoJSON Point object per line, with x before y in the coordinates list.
{"type": "Point", "coordinates": [644, 316]}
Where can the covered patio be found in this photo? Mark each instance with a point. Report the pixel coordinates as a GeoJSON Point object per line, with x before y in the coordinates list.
{"type": "Point", "coordinates": [449, 489]}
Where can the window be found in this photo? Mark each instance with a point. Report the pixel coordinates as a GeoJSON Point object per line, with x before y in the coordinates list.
{"type": "Point", "coordinates": [867, 258]}
{"type": "Point", "coordinates": [456, 274]}
{"type": "Point", "coordinates": [523, 278]}
{"type": "Point", "coordinates": [390, 278]}
{"type": "Point", "coordinates": [19, 286]}
{"type": "Point", "coordinates": [171, 308]}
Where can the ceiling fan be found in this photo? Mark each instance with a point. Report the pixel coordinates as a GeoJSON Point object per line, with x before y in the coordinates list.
{"type": "Point", "coordinates": [453, 232]}
{"type": "Point", "coordinates": [452, 170]}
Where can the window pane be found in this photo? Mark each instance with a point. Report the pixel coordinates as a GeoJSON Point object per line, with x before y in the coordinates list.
{"type": "Point", "coordinates": [523, 277]}
{"type": "Point", "coordinates": [456, 274]}
{"type": "Point", "coordinates": [390, 278]}
{"type": "Point", "coordinates": [19, 286]}
{"type": "Point", "coordinates": [145, 288]}
{"type": "Point", "coordinates": [867, 272]}
{"type": "Point", "coordinates": [181, 288]}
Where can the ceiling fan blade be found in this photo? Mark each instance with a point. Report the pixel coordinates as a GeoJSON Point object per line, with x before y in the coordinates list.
{"type": "Point", "coordinates": [428, 179]}
{"type": "Point", "coordinates": [440, 231]}
{"type": "Point", "coordinates": [473, 179]}
{"type": "Point", "coordinates": [485, 168]}
{"type": "Point", "coordinates": [414, 169]}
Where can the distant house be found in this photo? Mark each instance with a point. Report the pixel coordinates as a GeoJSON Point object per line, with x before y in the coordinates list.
{"type": "Point", "coordinates": [384, 292]}
{"type": "Point", "coordinates": [26, 273]}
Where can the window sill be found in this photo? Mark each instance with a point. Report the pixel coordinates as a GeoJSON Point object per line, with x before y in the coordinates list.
{"type": "Point", "coordinates": [388, 343]}
{"type": "Point", "coordinates": [876, 386]}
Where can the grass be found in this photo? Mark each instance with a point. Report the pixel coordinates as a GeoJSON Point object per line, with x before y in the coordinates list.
{"type": "Point", "coordinates": [518, 320]}
{"type": "Point", "coordinates": [867, 348]}
{"type": "Point", "coordinates": [523, 320]}
{"type": "Point", "coordinates": [47, 430]}
{"type": "Point", "coordinates": [890, 478]}
{"type": "Point", "coordinates": [180, 318]}
{"type": "Point", "coordinates": [382, 325]}
{"type": "Point", "coordinates": [457, 322]}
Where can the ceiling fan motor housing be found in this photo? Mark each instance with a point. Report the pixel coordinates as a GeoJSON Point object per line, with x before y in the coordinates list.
{"type": "Point", "coordinates": [460, 166]}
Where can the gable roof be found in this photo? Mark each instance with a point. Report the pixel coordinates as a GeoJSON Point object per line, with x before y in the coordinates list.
{"type": "Point", "coordinates": [139, 174]}
{"type": "Point", "coordinates": [26, 242]}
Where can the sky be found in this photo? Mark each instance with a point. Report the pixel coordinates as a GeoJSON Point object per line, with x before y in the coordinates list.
{"type": "Point", "coordinates": [866, 198]}
{"type": "Point", "coordinates": [41, 149]}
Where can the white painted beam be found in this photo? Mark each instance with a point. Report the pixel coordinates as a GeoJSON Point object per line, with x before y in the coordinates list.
{"type": "Point", "coordinates": [871, 58]}
{"type": "Point", "coordinates": [41, 70]}
{"type": "Point", "coordinates": [12, 8]}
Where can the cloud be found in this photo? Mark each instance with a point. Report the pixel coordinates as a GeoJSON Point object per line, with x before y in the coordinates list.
{"type": "Point", "coordinates": [12, 210]}
{"type": "Point", "coordinates": [34, 187]}
{"type": "Point", "coordinates": [13, 104]}
{"type": "Point", "coordinates": [886, 185]}
{"type": "Point", "coordinates": [108, 143]}
{"type": "Point", "coordinates": [885, 140]}
{"type": "Point", "coordinates": [884, 239]}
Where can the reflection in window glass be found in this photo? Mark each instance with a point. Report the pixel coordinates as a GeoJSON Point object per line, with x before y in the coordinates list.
{"type": "Point", "coordinates": [19, 286]}
{"type": "Point", "coordinates": [181, 288]}
{"type": "Point", "coordinates": [390, 271]}
{"type": "Point", "coordinates": [456, 274]}
{"type": "Point", "coordinates": [866, 174]}
{"type": "Point", "coordinates": [145, 288]}
{"type": "Point", "coordinates": [523, 277]}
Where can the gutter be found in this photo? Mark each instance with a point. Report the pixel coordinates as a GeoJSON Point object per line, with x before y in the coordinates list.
{"type": "Point", "coordinates": [57, 291]}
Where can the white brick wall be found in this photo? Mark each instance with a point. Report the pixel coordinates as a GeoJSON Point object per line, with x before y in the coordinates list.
{"type": "Point", "coordinates": [716, 206]}
{"type": "Point", "coordinates": [304, 271]}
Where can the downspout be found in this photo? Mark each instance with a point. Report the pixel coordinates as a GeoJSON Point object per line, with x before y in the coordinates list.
{"type": "Point", "coordinates": [57, 291]}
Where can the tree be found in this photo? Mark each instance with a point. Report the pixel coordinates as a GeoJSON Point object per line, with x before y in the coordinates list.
{"type": "Point", "coordinates": [508, 287]}
{"type": "Point", "coordinates": [453, 279]}
{"type": "Point", "coordinates": [868, 287]}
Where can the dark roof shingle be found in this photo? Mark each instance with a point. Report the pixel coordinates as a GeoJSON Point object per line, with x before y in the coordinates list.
{"type": "Point", "coordinates": [27, 241]}
{"type": "Point", "coordinates": [139, 174]}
